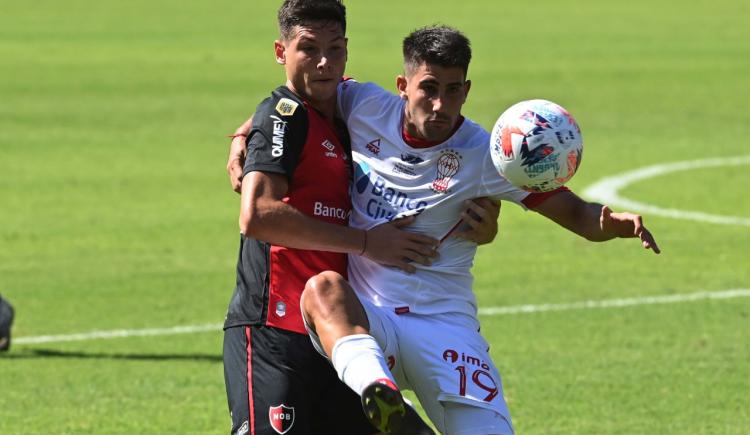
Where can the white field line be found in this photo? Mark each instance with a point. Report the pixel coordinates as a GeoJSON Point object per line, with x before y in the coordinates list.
{"type": "Point", "coordinates": [606, 190]}
{"type": "Point", "coordinates": [488, 311]}
{"type": "Point", "coordinates": [616, 303]}
{"type": "Point", "coordinates": [118, 333]}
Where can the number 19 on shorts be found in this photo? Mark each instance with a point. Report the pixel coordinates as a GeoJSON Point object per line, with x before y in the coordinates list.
{"type": "Point", "coordinates": [474, 378]}
{"type": "Point", "coordinates": [481, 379]}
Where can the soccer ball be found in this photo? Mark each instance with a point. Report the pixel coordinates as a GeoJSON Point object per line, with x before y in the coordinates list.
{"type": "Point", "coordinates": [536, 145]}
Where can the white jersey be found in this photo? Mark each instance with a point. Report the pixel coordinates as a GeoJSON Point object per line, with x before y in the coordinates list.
{"type": "Point", "coordinates": [393, 179]}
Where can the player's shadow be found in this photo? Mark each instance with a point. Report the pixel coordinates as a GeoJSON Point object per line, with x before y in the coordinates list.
{"type": "Point", "coordinates": [51, 353]}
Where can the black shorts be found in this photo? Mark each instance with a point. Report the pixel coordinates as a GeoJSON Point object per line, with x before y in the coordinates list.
{"type": "Point", "coordinates": [277, 383]}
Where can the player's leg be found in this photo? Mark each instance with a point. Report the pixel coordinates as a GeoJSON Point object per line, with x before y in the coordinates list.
{"type": "Point", "coordinates": [338, 410]}
{"type": "Point", "coordinates": [267, 382]}
{"type": "Point", "coordinates": [6, 321]}
{"type": "Point", "coordinates": [463, 419]}
{"type": "Point", "coordinates": [450, 370]}
{"type": "Point", "coordinates": [339, 325]}
{"type": "Point", "coordinates": [332, 309]}
{"type": "Point", "coordinates": [236, 361]}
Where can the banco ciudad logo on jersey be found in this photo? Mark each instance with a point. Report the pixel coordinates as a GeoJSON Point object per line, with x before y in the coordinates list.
{"type": "Point", "coordinates": [361, 176]}
{"type": "Point", "coordinates": [384, 199]}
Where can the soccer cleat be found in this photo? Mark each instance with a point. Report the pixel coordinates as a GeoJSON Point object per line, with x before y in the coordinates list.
{"type": "Point", "coordinates": [386, 410]}
{"type": "Point", "coordinates": [6, 320]}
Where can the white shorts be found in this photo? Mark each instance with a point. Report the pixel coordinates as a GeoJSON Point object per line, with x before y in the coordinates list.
{"type": "Point", "coordinates": [445, 360]}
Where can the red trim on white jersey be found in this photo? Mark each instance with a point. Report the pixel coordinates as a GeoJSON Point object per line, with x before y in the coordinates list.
{"type": "Point", "coordinates": [416, 142]}
{"type": "Point", "coordinates": [534, 200]}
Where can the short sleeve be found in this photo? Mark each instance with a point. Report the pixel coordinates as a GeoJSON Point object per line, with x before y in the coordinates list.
{"type": "Point", "coordinates": [534, 199]}
{"type": "Point", "coordinates": [277, 136]}
{"type": "Point", "coordinates": [353, 94]}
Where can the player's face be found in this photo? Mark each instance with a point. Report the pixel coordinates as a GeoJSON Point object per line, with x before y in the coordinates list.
{"type": "Point", "coordinates": [434, 96]}
{"type": "Point", "coordinates": [314, 58]}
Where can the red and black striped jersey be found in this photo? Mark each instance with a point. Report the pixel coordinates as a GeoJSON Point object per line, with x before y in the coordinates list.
{"type": "Point", "coordinates": [291, 138]}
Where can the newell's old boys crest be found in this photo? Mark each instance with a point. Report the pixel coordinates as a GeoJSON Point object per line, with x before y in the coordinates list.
{"type": "Point", "coordinates": [447, 166]}
{"type": "Point", "coordinates": [281, 417]}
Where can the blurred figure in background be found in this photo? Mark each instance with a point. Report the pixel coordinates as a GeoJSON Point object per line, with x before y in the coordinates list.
{"type": "Point", "coordinates": [6, 321]}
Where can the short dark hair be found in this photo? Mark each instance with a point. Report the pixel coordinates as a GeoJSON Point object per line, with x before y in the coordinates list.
{"type": "Point", "coordinates": [299, 12]}
{"type": "Point", "coordinates": [437, 45]}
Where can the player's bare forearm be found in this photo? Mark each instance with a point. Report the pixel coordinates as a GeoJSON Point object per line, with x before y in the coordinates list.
{"type": "Point", "coordinates": [264, 216]}
{"type": "Point", "coordinates": [574, 214]}
{"type": "Point", "coordinates": [237, 154]}
{"type": "Point", "coordinates": [593, 221]}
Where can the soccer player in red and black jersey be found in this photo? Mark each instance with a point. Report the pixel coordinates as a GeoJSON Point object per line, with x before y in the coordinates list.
{"type": "Point", "coordinates": [294, 213]}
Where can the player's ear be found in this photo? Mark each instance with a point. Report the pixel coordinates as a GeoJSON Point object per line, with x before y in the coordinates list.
{"type": "Point", "coordinates": [467, 87]}
{"type": "Point", "coordinates": [401, 86]}
{"type": "Point", "coordinates": [280, 51]}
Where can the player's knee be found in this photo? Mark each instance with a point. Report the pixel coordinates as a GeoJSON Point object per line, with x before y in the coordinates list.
{"type": "Point", "coordinates": [320, 290]}
{"type": "Point", "coordinates": [327, 279]}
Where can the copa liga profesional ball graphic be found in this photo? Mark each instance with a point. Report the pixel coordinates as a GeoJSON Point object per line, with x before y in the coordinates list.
{"type": "Point", "coordinates": [536, 145]}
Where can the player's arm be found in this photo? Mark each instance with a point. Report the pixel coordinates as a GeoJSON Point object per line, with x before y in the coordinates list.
{"type": "Point", "coordinates": [264, 216]}
{"type": "Point", "coordinates": [593, 221]}
{"type": "Point", "coordinates": [237, 154]}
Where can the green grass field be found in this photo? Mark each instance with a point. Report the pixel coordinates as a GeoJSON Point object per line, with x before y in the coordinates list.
{"type": "Point", "coordinates": [116, 213]}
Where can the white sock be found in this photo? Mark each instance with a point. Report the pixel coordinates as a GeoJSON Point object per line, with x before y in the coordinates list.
{"type": "Point", "coordinates": [359, 361]}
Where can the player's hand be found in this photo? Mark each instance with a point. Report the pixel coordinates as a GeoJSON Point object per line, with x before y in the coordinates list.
{"type": "Point", "coordinates": [390, 245]}
{"type": "Point", "coordinates": [235, 162]}
{"type": "Point", "coordinates": [479, 221]}
{"type": "Point", "coordinates": [627, 225]}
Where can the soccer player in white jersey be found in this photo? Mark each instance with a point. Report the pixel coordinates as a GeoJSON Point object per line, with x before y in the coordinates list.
{"type": "Point", "coordinates": [415, 154]}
